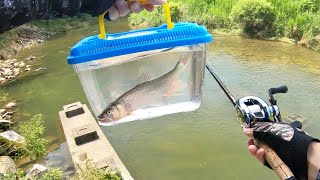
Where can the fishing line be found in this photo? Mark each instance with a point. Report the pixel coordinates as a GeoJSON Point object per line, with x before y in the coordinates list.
{"type": "Point", "coordinates": [222, 78]}
{"type": "Point", "coordinates": [223, 87]}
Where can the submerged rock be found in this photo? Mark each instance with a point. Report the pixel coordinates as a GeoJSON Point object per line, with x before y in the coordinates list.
{"type": "Point", "coordinates": [16, 71]}
{"type": "Point", "coordinates": [61, 158]}
{"type": "Point", "coordinates": [11, 105]}
{"type": "Point", "coordinates": [16, 64]}
{"type": "Point", "coordinates": [2, 80]}
{"type": "Point", "coordinates": [3, 56]}
{"type": "Point", "coordinates": [10, 77]}
{"type": "Point", "coordinates": [7, 72]}
{"type": "Point", "coordinates": [40, 69]}
{"type": "Point", "coordinates": [8, 115]}
{"type": "Point", "coordinates": [13, 136]}
{"type": "Point", "coordinates": [2, 121]}
{"type": "Point", "coordinates": [2, 111]}
{"type": "Point", "coordinates": [30, 58]}
{"type": "Point", "coordinates": [7, 165]}
{"type": "Point", "coordinates": [22, 64]}
{"type": "Point", "coordinates": [36, 171]}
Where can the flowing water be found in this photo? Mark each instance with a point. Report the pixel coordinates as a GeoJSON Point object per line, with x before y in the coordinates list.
{"type": "Point", "coordinates": [204, 144]}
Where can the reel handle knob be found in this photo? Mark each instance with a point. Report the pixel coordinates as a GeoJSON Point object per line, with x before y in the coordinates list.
{"type": "Point", "coordinates": [281, 89]}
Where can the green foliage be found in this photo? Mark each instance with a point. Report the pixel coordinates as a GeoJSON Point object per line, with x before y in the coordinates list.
{"type": "Point", "coordinates": [33, 147]}
{"type": "Point", "coordinates": [6, 37]}
{"type": "Point", "coordinates": [3, 97]}
{"type": "Point", "coordinates": [297, 19]}
{"type": "Point", "coordinates": [211, 13]}
{"type": "Point", "coordinates": [98, 174]}
{"type": "Point", "coordinates": [309, 5]}
{"type": "Point", "coordinates": [155, 18]}
{"type": "Point", "coordinates": [53, 174]}
{"type": "Point", "coordinates": [256, 17]}
{"type": "Point", "coordinates": [59, 25]}
{"type": "Point", "coordinates": [14, 176]}
{"type": "Point", "coordinates": [32, 130]}
{"type": "Point", "coordinates": [88, 172]}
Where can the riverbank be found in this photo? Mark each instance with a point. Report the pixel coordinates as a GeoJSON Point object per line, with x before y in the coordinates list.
{"type": "Point", "coordinates": [286, 21]}
{"type": "Point", "coordinates": [28, 35]}
{"type": "Point", "coordinates": [39, 31]}
{"type": "Point", "coordinates": [24, 141]}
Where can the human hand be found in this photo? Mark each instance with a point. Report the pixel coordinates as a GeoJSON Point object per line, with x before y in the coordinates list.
{"type": "Point", "coordinates": [122, 8]}
{"type": "Point", "coordinates": [290, 143]}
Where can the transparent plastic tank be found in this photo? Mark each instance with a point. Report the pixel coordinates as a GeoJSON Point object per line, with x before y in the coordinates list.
{"type": "Point", "coordinates": [142, 74]}
{"type": "Point", "coordinates": [145, 84]}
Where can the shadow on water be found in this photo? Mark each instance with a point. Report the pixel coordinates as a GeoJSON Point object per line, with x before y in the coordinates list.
{"type": "Point", "coordinates": [204, 144]}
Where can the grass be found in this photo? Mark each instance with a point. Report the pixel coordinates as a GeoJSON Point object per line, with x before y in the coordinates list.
{"type": "Point", "coordinates": [52, 174]}
{"type": "Point", "coordinates": [156, 17]}
{"type": "Point", "coordinates": [89, 172]}
{"type": "Point", "coordinates": [60, 25]}
{"type": "Point", "coordinates": [32, 130]}
{"type": "Point", "coordinates": [294, 19]}
{"type": "Point", "coordinates": [34, 147]}
{"type": "Point", "coordinates": [3, 98]}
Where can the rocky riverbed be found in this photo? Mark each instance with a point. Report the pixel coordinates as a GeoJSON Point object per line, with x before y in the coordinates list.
{"type": "Point", "coordinates": [6, 113]}
{"type": "Point", "coordinates": [13, 69]}
{"type": "Point", "coordinates": [11, 145]}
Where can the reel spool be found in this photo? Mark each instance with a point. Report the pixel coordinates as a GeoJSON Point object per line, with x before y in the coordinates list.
{"type": "Point", "coordinates": [252, 109]}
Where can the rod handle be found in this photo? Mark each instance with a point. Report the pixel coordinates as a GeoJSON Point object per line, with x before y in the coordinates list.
{"type": "Point", "coordinates": [278, 166]}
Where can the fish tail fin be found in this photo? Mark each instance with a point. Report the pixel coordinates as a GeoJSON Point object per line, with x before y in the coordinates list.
{"type": "Point", "coordinates": [176, 83]}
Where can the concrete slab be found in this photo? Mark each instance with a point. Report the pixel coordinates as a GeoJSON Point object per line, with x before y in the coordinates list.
{"type": "Point", "coordinates": [86, 141]}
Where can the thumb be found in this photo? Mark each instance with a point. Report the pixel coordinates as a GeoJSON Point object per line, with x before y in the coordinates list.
{"type": "Point", "coordinates": [248, 132]}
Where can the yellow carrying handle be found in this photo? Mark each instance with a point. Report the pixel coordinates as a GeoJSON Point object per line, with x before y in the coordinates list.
{"type": "Point", "coordinates": [102, 34]}
{"type": "Point", "coordinates": [166, 8]}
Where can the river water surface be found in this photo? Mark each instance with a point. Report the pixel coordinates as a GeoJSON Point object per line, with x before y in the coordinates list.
{"type": "Point", "coordinates": [204, 144]}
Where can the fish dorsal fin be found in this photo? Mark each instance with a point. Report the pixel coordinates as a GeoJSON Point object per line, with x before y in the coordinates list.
{"type": "Point", "coordinates": [145, 76]}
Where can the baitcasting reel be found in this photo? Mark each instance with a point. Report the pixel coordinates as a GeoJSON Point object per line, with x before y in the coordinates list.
{"type": "Point", "coordinates": [251, 109]}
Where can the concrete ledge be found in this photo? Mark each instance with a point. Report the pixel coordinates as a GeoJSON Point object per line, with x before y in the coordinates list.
{"type": "Point", "coordinates": [86, 141]}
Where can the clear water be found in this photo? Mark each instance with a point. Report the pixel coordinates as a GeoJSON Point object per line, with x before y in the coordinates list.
{"type": "Point", "coordinates": [203, 144]}
{"type": "Point", "coordinates": [172, 82]}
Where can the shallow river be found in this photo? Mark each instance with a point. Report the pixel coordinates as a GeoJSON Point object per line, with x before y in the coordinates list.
{"type": "Point", "coordinates": [204, 144]}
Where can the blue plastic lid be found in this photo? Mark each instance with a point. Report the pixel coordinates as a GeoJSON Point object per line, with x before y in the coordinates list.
{"type": "Point", "coordinates": [93, 48]}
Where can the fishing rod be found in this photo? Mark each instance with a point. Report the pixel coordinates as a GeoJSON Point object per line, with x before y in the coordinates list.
{"type": "Point", "coordinates": [251, 109]}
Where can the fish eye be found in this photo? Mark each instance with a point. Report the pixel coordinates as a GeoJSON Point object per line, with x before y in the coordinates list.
{"type": "Point", "coordinates": [109, 112]}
